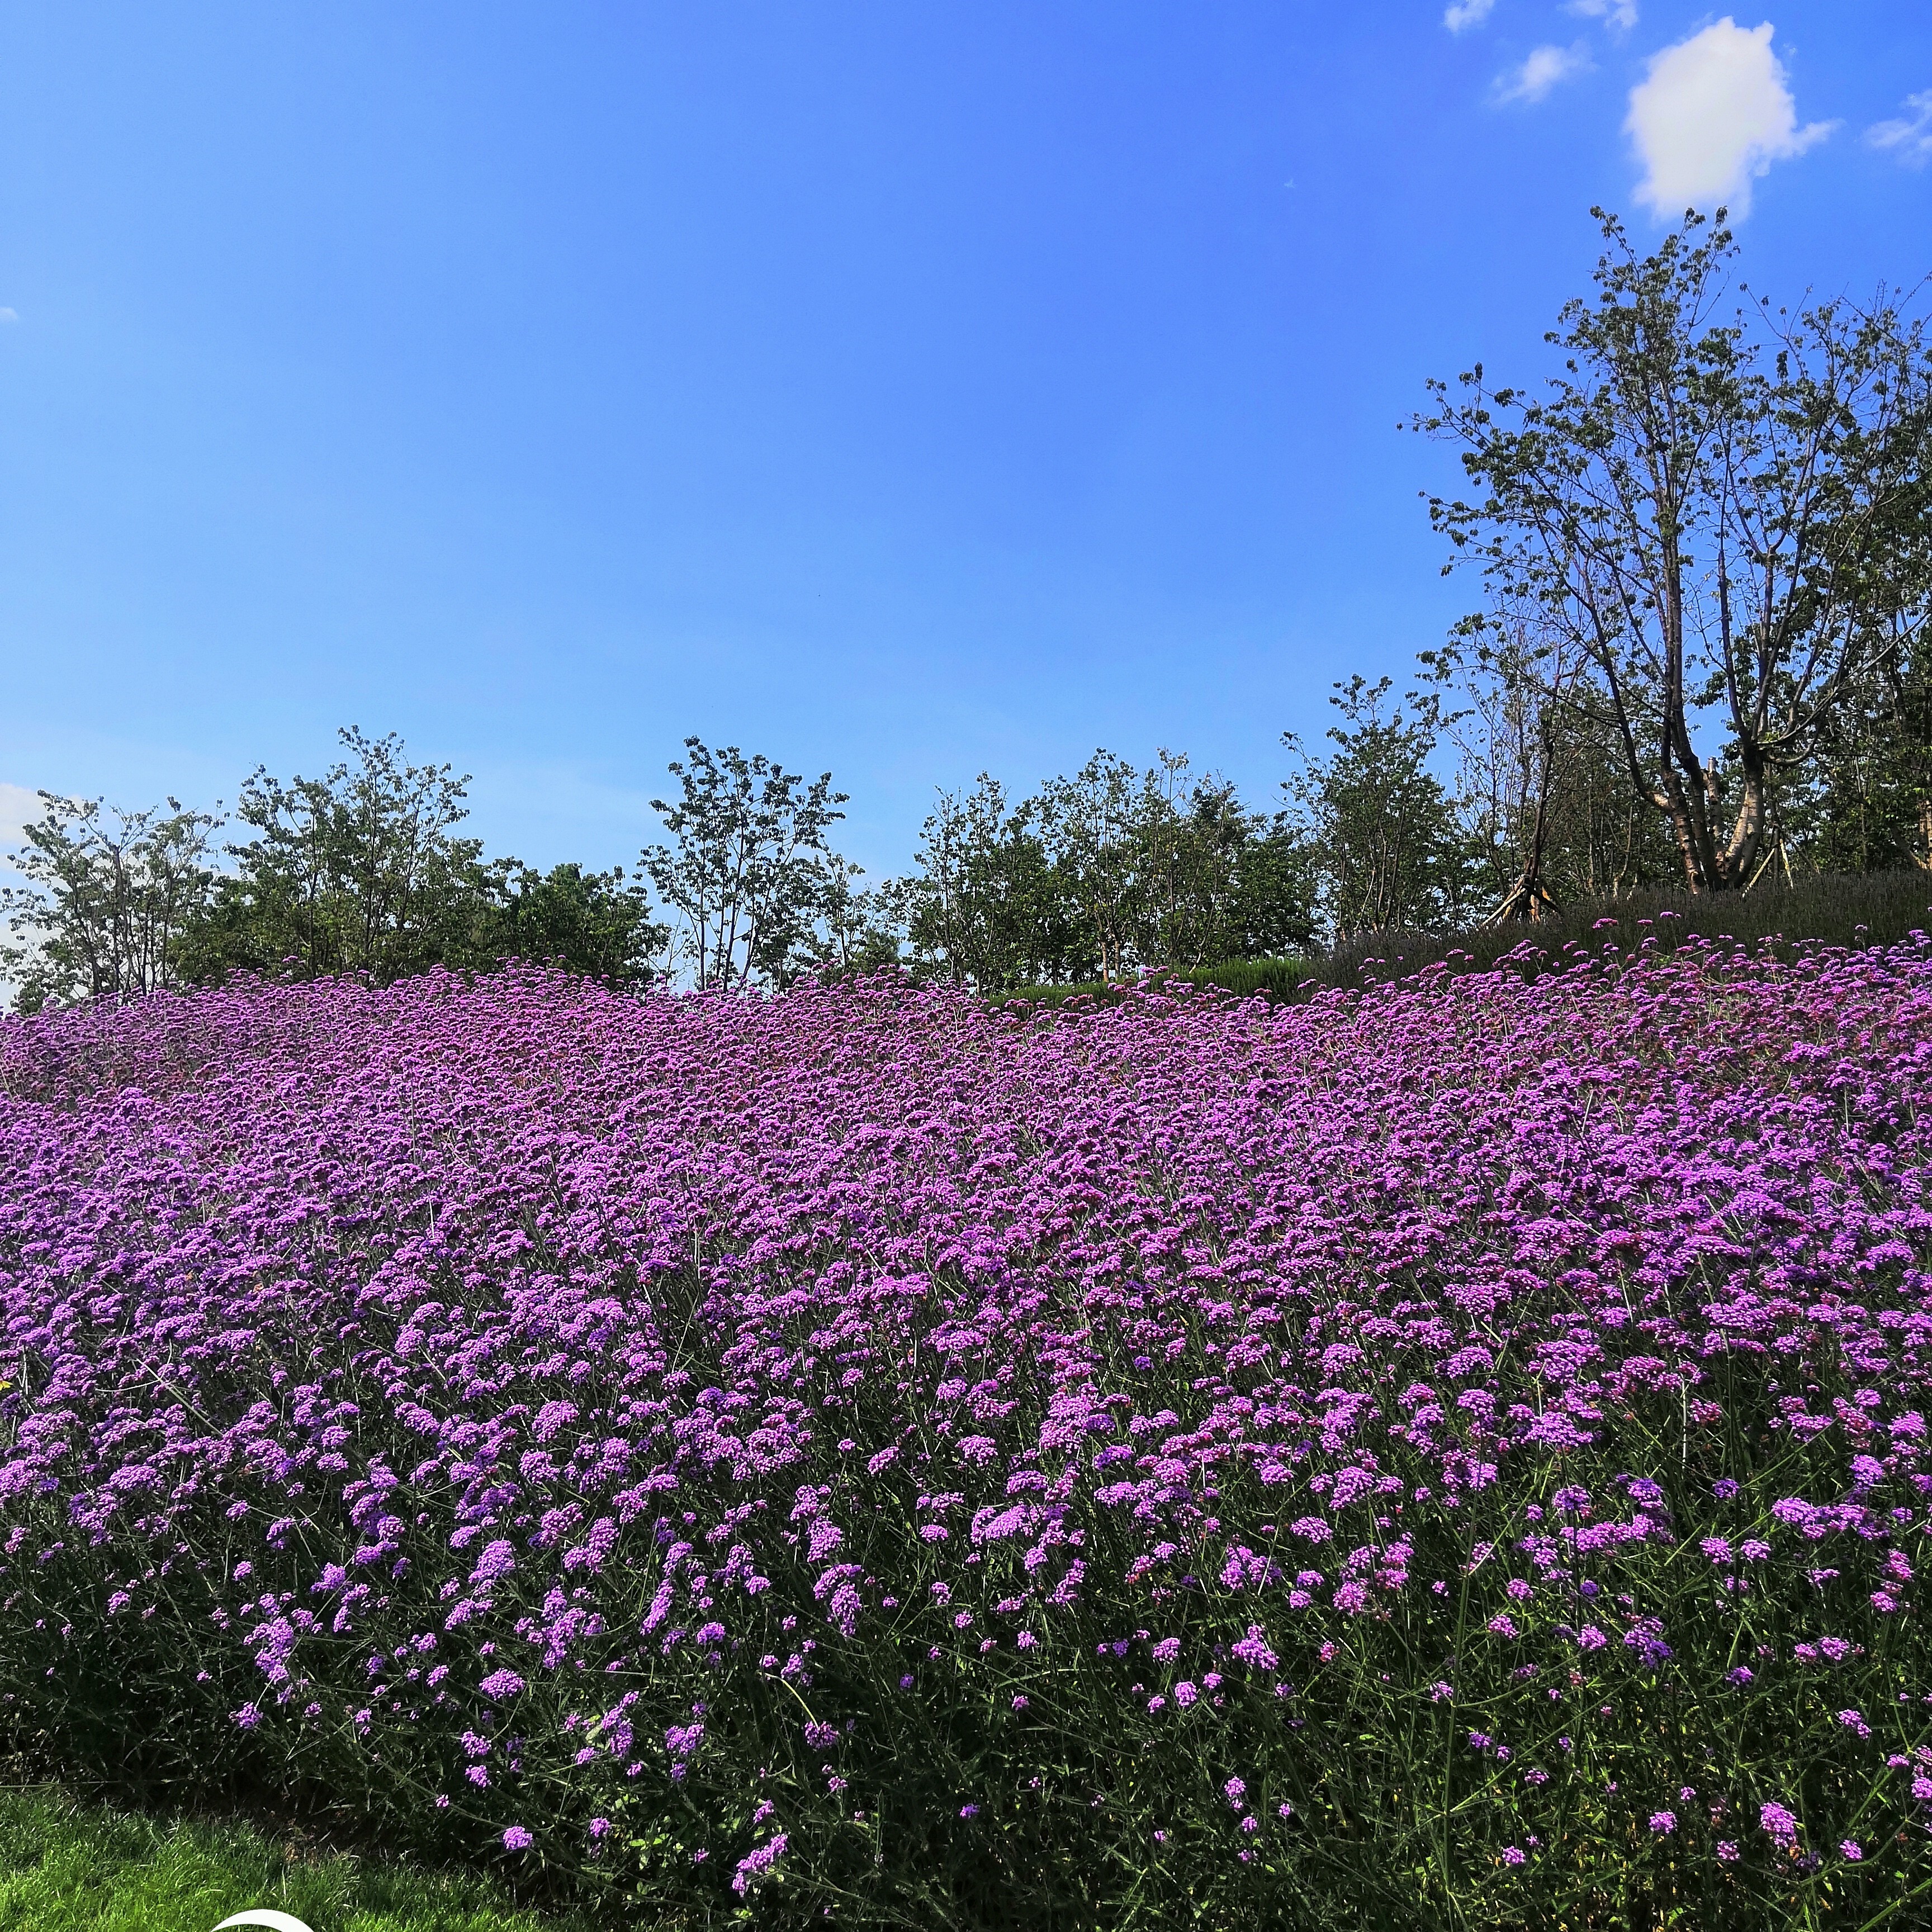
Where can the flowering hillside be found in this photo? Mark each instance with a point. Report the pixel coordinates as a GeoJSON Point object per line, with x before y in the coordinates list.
{"type": "Point", "coordinates": [1451, 1451]}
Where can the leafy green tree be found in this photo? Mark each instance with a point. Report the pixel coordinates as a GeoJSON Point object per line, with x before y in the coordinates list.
{"type": "Point", "coordinates": [748, 874]}
{"type": "Point", "coordinates": [1273, 911]}
{"type": "Point", "coordinates": [109, 900]}
{"type": "Point", "coordinates": [1185, 850]}
{"type": "Point", "coordinates": [364, 870]}
{"type": "Point", "coordinates": [1111, 870]}
{"type": "Point", "coordinates": [1865, 803]}
{"type": "Point", "coordinates": [1388, 853]}
{"type": "Point", "coordinates": [1210, 881]}
{"type": "Point", "coordinates": [1723, 516]}
{"type": "Point", "coordinates": [359, 871]}
{"type": "Point", "coordinates": [982, 903]}
{"type": "Point", "coordinates": [595, 923]}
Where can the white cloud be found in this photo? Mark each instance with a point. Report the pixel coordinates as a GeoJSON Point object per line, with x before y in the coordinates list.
{"type": "Point", "coordinates": [1544, 68]}
{"type": "Point", "coordinates": [1714, 113]}
{"type": "Point", "coordinates": [1910, 140]}
{"type": "Point", "coordinates": [18, 807]}
{"type": "Point", "coordinates": [1467, 13]}
{"type": "Point", "coordinates": [1619, 14]}
{"type": "Point", "coordinates": [8, 315]}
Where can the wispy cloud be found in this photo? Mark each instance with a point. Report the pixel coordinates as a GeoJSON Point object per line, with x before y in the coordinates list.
{"type": "Point", "coordinates": [8, 315]}
{"type": "Point", "coordinates": [18, 807]}
{"type": "Point", "coordinates": [1545, 68]}
{"type": "Point", "coordinates": [1910, 139]}
{"type": "Point", "coordinates": [1712, 114]}
{"type": "Point", "coordinates": [1620, 15]}
{"type": "Point", "coordinates": [1463, 13]}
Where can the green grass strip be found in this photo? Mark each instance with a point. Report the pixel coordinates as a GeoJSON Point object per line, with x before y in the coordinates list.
{"type": "Point", "coordinates": [71, 1867]}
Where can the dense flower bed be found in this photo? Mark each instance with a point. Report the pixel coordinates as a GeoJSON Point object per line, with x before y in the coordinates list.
{"type": "Point", "coordinates": [1451, 1450]}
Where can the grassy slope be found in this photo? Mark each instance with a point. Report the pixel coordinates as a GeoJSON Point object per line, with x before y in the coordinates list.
{"type": "Point", "coordinates": [66, 1867]}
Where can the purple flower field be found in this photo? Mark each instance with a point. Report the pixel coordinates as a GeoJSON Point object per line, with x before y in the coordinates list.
{"type": "Point", "coordinates": [1457, 1450]}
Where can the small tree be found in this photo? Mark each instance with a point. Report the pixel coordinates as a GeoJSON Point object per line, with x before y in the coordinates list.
{"type": "Point", "coordinates": [109, 899]}
{"type": "Point", "coordinates": [1509, 783]}
{"type": "Point", "coordinates": [1709, 514]}
{"type": "Point", "coordinates": [862, 925]}
{"type": "Point", "coordinates": [1212, 881]}
{"type": "Point", "coordinates": [1088, 825]}
{"type": "Point", "coordinates": [1273, 911]}
{"type": "Point", "coordinates": [1185, 846]}
{"type": "Point", "coordinates": [749, 876]}
{"type": "Point", "coordinates": [1386, 849]}
{"type": "Point", "coordinates": [982, 904]}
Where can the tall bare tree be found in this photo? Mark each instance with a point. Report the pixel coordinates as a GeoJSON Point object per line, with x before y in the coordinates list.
{"type": "Point", "coordinates": [1713, 513]}
{"type": "Point", "coordinates": [1550, 813]}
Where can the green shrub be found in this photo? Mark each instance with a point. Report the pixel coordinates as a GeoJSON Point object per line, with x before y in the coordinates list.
{"type": "Point", "coordinates": [1829, 909]}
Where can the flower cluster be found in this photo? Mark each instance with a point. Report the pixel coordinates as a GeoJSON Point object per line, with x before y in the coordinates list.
{"type": "Point", "coordinates": [873, 1446]}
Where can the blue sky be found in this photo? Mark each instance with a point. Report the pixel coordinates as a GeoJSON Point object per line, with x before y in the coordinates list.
{"type": "Point", "coordinates": [907, 389]}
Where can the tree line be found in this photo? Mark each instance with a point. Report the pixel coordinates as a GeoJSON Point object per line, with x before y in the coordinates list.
{"type": "Point", "coordinates": [1702, 559]}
